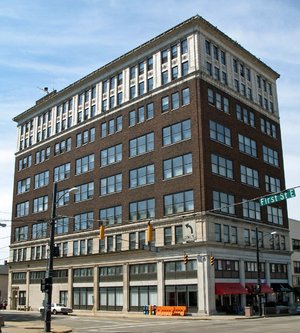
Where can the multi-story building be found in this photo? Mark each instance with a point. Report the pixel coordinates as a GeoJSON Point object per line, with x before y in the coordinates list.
{"type": "Point", "coordinates": [295, 247]}
{"type": "Point", "coordinates": [182, 132]}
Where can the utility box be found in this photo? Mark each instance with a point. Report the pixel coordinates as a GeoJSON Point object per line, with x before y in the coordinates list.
{"type": "Point", "coordinates": [248, 311]}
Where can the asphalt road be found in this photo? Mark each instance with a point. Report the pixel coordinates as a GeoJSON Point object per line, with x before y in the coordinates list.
{"type": "Point", "coordinates": [118, 324]}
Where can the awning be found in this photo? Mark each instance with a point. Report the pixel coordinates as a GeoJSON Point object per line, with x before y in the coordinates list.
{"type": "Point", "coordinates": [281, 287]}
{"type": "Point", "coordinates": [265, 289]}
{"type": "Point", "coordinates": [230, 289]}
{"type": "Point", "coordinates": [297, 290]}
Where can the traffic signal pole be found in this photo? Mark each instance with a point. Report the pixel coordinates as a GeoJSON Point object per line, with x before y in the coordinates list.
{"type": "Point", "coordinates": [49, 273]}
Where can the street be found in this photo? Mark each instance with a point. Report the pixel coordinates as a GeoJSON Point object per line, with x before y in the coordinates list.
{"type": "Point", "coordinates": [140, 324]}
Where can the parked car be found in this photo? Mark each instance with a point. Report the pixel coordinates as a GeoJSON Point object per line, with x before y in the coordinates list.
{"type": "Point", "coordinates": [57, 308]}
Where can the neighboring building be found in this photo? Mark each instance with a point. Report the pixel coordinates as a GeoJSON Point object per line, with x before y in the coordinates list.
{"type": "Point", "coordinates": [3, 284]}
{"type": "Point", "coordinates": [182, 131]}
{"type": "Point", "coordinates": [295, 247]}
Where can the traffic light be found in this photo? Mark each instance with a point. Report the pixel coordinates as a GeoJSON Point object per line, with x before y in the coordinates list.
{"type": "Point", "coordinates": [101, 232]}
{"type": "Point", "coordinates": [212, 260]}
{"type": "Point", "coordinates": [185, 259]}
{"type": "Point", "coordinates": [150, 233]}
{"type": "Point", "coordinates": [46, 284]}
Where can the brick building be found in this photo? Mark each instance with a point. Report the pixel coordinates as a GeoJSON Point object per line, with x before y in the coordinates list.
{"type": "Point", "coordinates": [183, 131]}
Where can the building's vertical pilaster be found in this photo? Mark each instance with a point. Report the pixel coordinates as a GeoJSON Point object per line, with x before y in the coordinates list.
{"type": "Point", "coordinates": [125, 287]}
{"type": "Point", "coordinates": [242, 280]}
{"type": "Point", "coordinates": [96, 289]}
{"type": "Point", "coordinates": [70, 287]}
{"type": "Point", "coordinates": [160, 283]}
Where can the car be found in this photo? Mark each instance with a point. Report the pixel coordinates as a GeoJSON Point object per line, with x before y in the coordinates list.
{"type": "Point", "coordinates": [57, 308]}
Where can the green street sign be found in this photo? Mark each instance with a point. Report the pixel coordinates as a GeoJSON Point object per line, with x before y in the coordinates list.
{"type": "Point", "coordinates": [278, 197]}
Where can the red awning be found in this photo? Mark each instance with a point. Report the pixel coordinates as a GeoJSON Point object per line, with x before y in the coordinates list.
{"type": "Point", "coordinates": [230, 289]}
{"type": "Point", "coordinates": [265, 289]}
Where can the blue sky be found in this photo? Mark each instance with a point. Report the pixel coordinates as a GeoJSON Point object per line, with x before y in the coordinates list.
{"type": "Point", "coordinates": [52, 44]}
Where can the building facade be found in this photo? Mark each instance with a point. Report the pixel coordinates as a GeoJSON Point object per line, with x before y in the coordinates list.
{"type": "Point", "coordinates": [183, 133]}
{"type": "Point", "coordinates": [295, 247]}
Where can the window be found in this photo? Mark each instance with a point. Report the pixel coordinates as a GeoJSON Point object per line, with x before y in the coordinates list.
{"type": "Point", "coordinates": [224, 78]}
{"type": "Point", "coordinates": [249, 176]}
{"type": "Point", "coordinates": [165, 104]}
{"type": "Point", "coordinates": [132, 92]}
{"type": "Point", "coordinates": [83, 221]}
{"type": "Point", "coordinates": [208, 47]}
{"type": "Point", "coordinates": [275, 215]}
{"type": "Point", "coordinates": [141, 176]}
{"type": "Point", "coordinates": [149, 111]}
{"type": "Point", "coordinates": [174, 72]}
{"type": "Point", "coordinates": [84, 164]}
{"type": "Point", "coordinates": [111, 215]}
{"type": "Point", "coordinates": [168, 236]}
{"type": "Point", "coordinates": [209, 68]}
{"type": "Point", "coordinates": [247, 145]}
{"type": "Point", "coordinates": [62, 172]}
{"type": "Point", "coordinates": [218, 234]}
{"type": "Point", "coordinates": [150, 83]}
{"type": "Point", "coordinates": [25, 162]}
{"type": "Point", "coordinates": [247, 237]}
{"type": "Point", "coordinates": [62, 198]}
{"type": "Point", "coordinates": [217, 73]}
{"type": "Point", "coordinates": [185, 68]}
{"type": "Point", "coordinates": [270, 156]}
{"type": "Point", "coordinates": [185, 96]}
{"type": "Point", "coordinates": [178, 234]}
{"type": "Point", "coordinates": [141, 210]}
{"type": "Point", "coordinates": [226, 236]}
{"type": "Point", "coordinates": [245, 115]}
{"type": "Point", "coordinates": [42, 155]}
{"type": "Point", "coordinates": [223, 202]}
{"type": "Point", "coordinates": [85, 137]}
{"type": "Point", "coordinates": [164, 56]}
{"type": "Point", "coordinates": [233, 235]}
{"type": "Point", "coordinates": [268, 128]}
{"type": "Point", "coordinates": [111, 127]}
{"type": "Point", "coordinates": [220, 133]}
{"type": "Point", "coordinates": [62, 226]}
{"type": "Point", "coordinates": [40, 204]}
{"type": "Point", "coordinates": [150, 63]}
{"type": "Point", "coordinates": [177, 132]}
{"type": "Point", "coordinates": [132, 73]}
{"type": "Point", "coordinates": [164, 77]}
{"type": "Point", "coordinates": [21, 233]}
{"type": "Point", "coordinates": [141, 88]}
{"type": "Point", "coordinates": [178, 166]}
{"type": "Point", "coordinates": [39, 230]}
{"type": "Point", "coordinates": [221, 166]}
{"type": "Point", "coordinates": [178, 202]}
{"type": "Point", "coordinates": [216, 52]}
{"type": "Point", "coordinates": [111, 155]}
{"type": "Point", "coordinates": [272, 184]}
{"type": "Point", "coordinates": [184, 46]}
{"type": "Point", "coordinates": [41, 179]}
{"type": "Point", "coordinates": [141, 145]}
{"type": "Point", "coordinates": [175, 101]}
{"type": "Point", "coordinates": [223, 58]}
{"type": "Point", "coordinates": [85, 192]}
{"type": "Point", "coordinates": [23, 186]}
{"type": "Point", "coordinates": [22, 209]}
{"type": "Point", "coordinates": [141, 68]}
{"type": "Point", "coordinates": [251, 210]}
{"type": "Point", "coordinates": [62, 146]}
{"type": "Point", "coordinates": [132, 241]}
{"type": "Point", "coordinates": [112, 184]}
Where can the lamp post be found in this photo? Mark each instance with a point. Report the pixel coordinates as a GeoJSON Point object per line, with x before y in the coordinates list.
{"type": "Point", "coordinates": [258, 271]}
{"type": "Point", "coordinates": [49, 272]}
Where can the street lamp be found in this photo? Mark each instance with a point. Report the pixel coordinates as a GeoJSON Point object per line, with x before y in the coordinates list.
{"type": "Point", "coordinates": [49, 272]}
{"type": "Point", "coordinates": [258, 270]}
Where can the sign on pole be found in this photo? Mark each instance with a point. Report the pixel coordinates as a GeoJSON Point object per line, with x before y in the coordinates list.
{"type": "Point", "coordinates": [277, 197]}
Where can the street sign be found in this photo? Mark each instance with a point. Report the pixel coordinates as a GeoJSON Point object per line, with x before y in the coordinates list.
{"type": "Point", "coordinates": [277, 197]}
{"type": "Point", "coordinates": [189, 231]}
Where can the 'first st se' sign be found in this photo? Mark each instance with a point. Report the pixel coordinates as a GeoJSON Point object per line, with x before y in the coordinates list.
{"type": "Point", "coordinates": [278, 197]}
